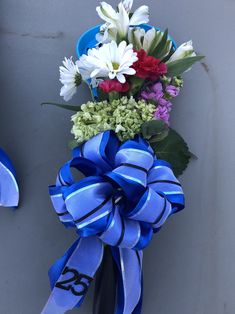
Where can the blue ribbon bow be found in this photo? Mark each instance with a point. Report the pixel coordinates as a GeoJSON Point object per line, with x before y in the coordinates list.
{"type": "Point", "coordinates": [9, 191]}
{"type": "Point", "coordinates": [125, 196]}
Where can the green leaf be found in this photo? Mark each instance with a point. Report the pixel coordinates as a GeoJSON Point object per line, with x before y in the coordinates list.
{"type": "Point", "coordinates": [165, 51]}
{"type": "Point", "coordinates": [137, 42]}
{"type": "Point", "coordinates": [154, 130]}
{"type": "Point", "coordinates": [170, 53]}
{"type": "Point", "coordinates": [136, 84]}
{"type": "Point", "coordinates": [63, 106]}
{"type": "Point", "coordinates": [174, 150]}
{"type": "Point", "coordinates": [102, 95]}
{"type": "Point", "coordinates": [159, 137]}
{"type": "Point", "coordinates": [177, 67]}
{"type": "Point", "coordinates": [193, 156]}
{"type": "Point", "coordinates": [114, 96]}
{"type": "Point", "coordinates": [156, 41]}
{"type": "Point", "coordinates": [163, 47]}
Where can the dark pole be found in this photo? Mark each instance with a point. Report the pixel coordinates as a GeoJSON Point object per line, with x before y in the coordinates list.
{"type": "Point", "coordinates": [105, 286]}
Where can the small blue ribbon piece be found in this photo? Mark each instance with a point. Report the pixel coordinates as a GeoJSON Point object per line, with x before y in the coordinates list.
{"type": "Point", "coordinates": [126, 195]}
{"type": "Point", "coordinates": [9, 191]}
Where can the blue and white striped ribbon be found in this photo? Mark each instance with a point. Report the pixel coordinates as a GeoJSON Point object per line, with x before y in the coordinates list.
{"type": "Point", "coordinates": [9, 191]}
{"type": "Point", "coordinates": [127, 195]}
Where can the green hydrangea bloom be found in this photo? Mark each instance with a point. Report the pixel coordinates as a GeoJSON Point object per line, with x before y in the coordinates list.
{"type": "Point", "coordinates": [124, 116]}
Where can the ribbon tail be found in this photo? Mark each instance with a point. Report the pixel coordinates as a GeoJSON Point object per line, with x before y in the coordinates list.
{"type": "Point", "coordinates": [129, 289]}
{"type": "Point", "coordinates": [138, 307]}
{"type": "Point", "coordinates": [9, 191]}
{"type": "Point", "coordinates": [72, 274]}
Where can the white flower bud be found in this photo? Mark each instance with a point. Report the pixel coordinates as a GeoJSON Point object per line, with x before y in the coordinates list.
{"type": "Point", "coordinates": [184, 51]}
{"type": "Point", "coordinates": [127, 5]}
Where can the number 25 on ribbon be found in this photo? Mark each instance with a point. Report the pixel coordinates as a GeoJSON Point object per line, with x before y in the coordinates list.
{"type": "Point", "coordinates": [78, 283]}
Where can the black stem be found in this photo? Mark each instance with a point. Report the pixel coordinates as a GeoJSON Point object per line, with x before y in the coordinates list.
{"type": "Point", "coordinates": [105, 286]}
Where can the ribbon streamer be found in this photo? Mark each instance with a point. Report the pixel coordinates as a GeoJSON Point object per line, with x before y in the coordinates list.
{"type": "Point", "coordinates": [9, 191]}
{"type": "Point", "coordinates": [126, 195]}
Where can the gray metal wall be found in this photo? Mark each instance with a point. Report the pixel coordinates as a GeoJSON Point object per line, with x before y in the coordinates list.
{"type": "Point", "coordinates": [189, 266]}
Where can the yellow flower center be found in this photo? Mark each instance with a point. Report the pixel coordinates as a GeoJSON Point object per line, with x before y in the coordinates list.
{"type": "Point", "coordinates": [115, 66]}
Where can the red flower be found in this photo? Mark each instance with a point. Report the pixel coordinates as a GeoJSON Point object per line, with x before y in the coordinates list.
{"type": "Point", "coordinates": [148, 67]}
{"type": "Point", "coordinates": [113, 86]}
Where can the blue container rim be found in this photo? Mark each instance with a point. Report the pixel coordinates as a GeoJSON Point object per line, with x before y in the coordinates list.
{"type": "Point", "coordinates": [97, 27]}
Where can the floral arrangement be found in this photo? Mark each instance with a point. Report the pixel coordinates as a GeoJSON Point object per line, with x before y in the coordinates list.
{"type": "Point", "coordinates": [124, 147]}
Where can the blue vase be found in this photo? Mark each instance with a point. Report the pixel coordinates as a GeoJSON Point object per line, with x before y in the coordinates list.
{"type": "Point", "coordinates": [88, 39]}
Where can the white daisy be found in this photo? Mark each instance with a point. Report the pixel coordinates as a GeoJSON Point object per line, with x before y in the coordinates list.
{"type": "Point", "coordinates": [109, 61]}
{"type": "Point", "coordinates": [118, 23]}
{"type": "Point", "coordinates": [70, 78]}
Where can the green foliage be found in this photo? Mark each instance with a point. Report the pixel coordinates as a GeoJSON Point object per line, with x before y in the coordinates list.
{"type": "Point", "coordinates": [177, 67]}
{"type": "Point", "coordinates": [155, 42]}
{"type": "Point", "coordinates": [136, 85]}
{"type": "Point", "coordinates": [102, 95]}
{"type": "Point", "coordinates": [154, 130]}
{"type": "Point", "coordinates": [63, 106]}
{"type": "Point", "coordinates": [114, 96]}
{"type": "Point", "coordinates": [174, 150]}
{"type": "Point", "coordinates": [163, 48]}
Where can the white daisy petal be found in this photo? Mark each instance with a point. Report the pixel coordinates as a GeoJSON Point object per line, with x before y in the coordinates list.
{"type": "Point", "coordinates": [67, 92]}
{"type": "Point", "coordinates": [95, 73]}
{"type": "Point", "coordinates": [68, 74]}
{"type": "Point", "coordinates": [112, 75]}
{"type": "Point", "coordinates": [121, 78]}
{"type": "Point", "coordinates": [109, 61]}
{"type": "Point", "coordinates": [122, 48]}
{"type": "Point", "coordinates": [129, 71]}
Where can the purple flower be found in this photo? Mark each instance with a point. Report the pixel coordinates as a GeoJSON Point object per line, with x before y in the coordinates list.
{"type": "Point", "coordinates": [157, 88]}
{"type": "Point", "coordinates": [147, 95]}
{"type": "Point", "coordinates": [164, 103]}
{"type": "Point", "coordinates": [163, 111]}
{"type": "Point", "coordinates": [154, 92]}
{"type": "Point", "coordinates": [172, 91]}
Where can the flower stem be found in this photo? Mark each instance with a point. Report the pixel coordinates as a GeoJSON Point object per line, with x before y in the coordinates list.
{"type": "Point", "coordinates": [90, 88]}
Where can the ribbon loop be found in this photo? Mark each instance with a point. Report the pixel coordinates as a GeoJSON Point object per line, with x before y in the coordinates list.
{"type": "Point", "coordinates": [126, 196]}
{"type": "Point", "coordinates": [100, 149]}
{"type": "Point", "coordinates": [9, 191]}
{"type": "Point", "coordinates": [144, 209]}
{"type": "Point", "coordinates": [145, 189]}
{"type": "Point", "coordinates": [162, 180]}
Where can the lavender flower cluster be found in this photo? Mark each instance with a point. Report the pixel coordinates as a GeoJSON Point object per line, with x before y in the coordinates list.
{"type": "Point", "coordinates": [161, 93]}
